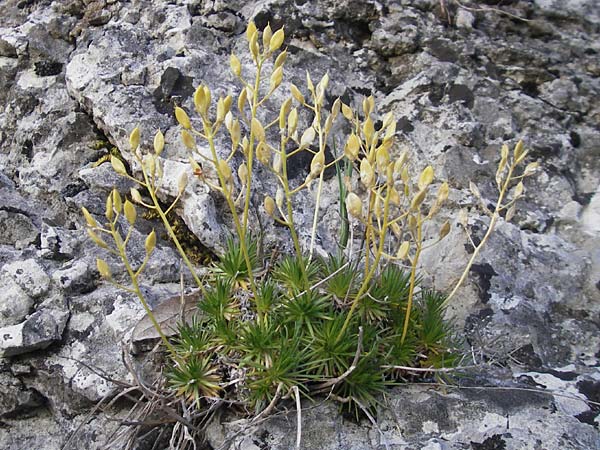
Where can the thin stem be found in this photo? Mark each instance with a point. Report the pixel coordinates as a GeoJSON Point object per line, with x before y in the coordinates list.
{"type": "Point", "coordinates": [413, 276]}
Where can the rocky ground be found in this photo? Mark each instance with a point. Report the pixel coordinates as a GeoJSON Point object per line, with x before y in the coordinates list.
{"type": "Point", "coordinates": [77, 75]}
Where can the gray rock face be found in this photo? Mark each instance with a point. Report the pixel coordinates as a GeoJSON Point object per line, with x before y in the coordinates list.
{"type": "Point", "coordinates": [460, 81]}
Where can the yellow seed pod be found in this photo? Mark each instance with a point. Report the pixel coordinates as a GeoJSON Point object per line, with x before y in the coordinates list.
{"type": "Point", "coordinates": [242, 100]}
{"type": "Point", "coordinates": [444, 230]}
{"type": "Point", "coordinates": [182, 118]}
{"type": "Point", "coordinates": [109, 213]}
{"type": "Point", "coordinates": [276, 40]}
{"type": "Point", "coordinates": [236, 134]}
{"type": "Point", "coordinates": [352, 147]}
{"type": "Point", "coordinates": [117, 202]}
{"type": "Point", "coordinates": [97, 240]}
{"type": "Point", "coordinates": [317, 164]}
{"type": "Point", "coordinates": [253, 46]}
{"type": "Point", "coordinates": [280, 61]}
{"type": "Point", "coordinates": [263, 153]}
{"type": "Point", "coordinates": [257, 130]}
{"type": "Point", "coordinates": [159, 142]}
{"type": "Point", "coordinates": [519, 190]}
{"type": "Point", "coordinates": [201, 101]}
{"type": "Point", "coordinates": [377, 206]}
{"type": "Point", "coordinates": [443, 192]}
{"type": "Point", "coordinates": [297, 94]}
{"type": "Point", "coordinates": [335, 108]}
{"type": "Point", "coordinates": [390, 131]}
{"type": "Point", "coordinates": [510, 213]}
{"type": "Point", "coordinates": [322, 86]}
{"type": "Point", "coordinates": [228, 121]}
{"type": "Point", "coordinates": [279, 197]}
{"type": "Point", "coordinates": [307, 137]}
{"type": "Point", "coordinates": [418, 199]}
{"type": "Point", "coordinates": [207, 98]}
{"type": "Point", "coordinates": [276, 78]}
{"type": "Point", "coordinates": [224, 169]}
{"type": "Point", "coordinates": [521, 157]}
{"type": "Point", "coordinates": [309, 83]}
{"type": "Point", "coordinates": [403, 250]}
{"type": "Point", "coordinates": [227, 101]}
{"type": "Point", "coordinates": [118, 165]}
{"type": "Point", "coordinates": [221, 111]}
{"type": "Point", "coordinates": [243, 173]}
{"type": "Point", "coordinates": [130, 213]}
{"type": "Point", "coordinates": [367, 174]}
{"type": "Point", "coordinates": [388, 119]}
{"type": "Point", "coordinates": [88, 218]}
{"type": "Point", "coordinates": [188, 140]}
{"type": "Point", "coordinates": [412, 222]}
{"type": "Point", "coordinates": [404, 176]}
{"type": "Point", "coordinates": [245, 145]}
{"type": "Point", "coordinates": [150, 242]}
{"type": "Point", "coordinates": [396, 229]}
{"type": "Point", "coordinates": [354, 205]}
{"type": "Point", "coordinates": [347, 112]}
{"type": "Point", "coordinates": [182, 182]}
{"type": "Point", "coordinates": [425, 178]}
{"type": "Point", "coordinates": [368, 130]}
{"type": "Point", "coordinates": [269, 205]}
{"type": "Point", "coordinates": [266, 36]}
{"type": "Point", "coordinates": [135, 195]}
{"type": "Point", "coordinates": [504, 151]}
{"type": "Point", "coordinates": [292, 121]}
{"type": "Point", "coordinates": [286, 106]}
{"type": "Point", "coordinates": [250, 30]}
{"type": "Point", "coordinates": [382, 159]}
{"type": "Point", "coordinates": [328, 124]}
{"type": "Point", "coordinates": [103, 268]}
{"type": "Point", "coordinates": [134, 138]}
{"type": "Point", "coordinates": [235, 65]}
{"type": "Point", "coordinates": [518, 150]}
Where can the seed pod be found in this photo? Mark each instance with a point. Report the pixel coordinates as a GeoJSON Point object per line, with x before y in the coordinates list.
{"type": "Point", "coordinates": [307, 137]}
{"type": "Point", "coordinates": [418, 199]}
{"type": "Point", "coordinates": [403, 250]}
{"type": "Point", "coordinates": [396, 229]}
{"type": "Point", "coordinates": [322, 87]}
{"type": "Point", "coordinates": [236, 66]}
{"type": "Point", "coordinates": [88, 218]}
{"type": "Point", "coordinates": [286, 106]}
{"type": "Point", "coordinates": [150, 242]}
{"type": "Point", "coordinates": [224, 169]}
{"type": "Point", "coordinates": [368, 131]}
{"type": "Point", "coordinates": [188, 140]}
{"type": "Point", "coordinates": [354, 205]}
{"type": "Point", "coordinates": [243, 173]}
{"type": "Point", "coordinates": [103, 269]}
{"type": "Point", "coordinates": [510, 213]}
{"type": "Point", "coordinates": [367, 174]}
{"type": "Point", "coordinates": [279, 197]}
{"type": "Point", "coordinates": [352, 147]}
{"type": "Point", "coordinates": [280, 60]}
{"type": "Point", "coordinates": [182, 182]}
{"type": "Point", "coordinates": [297, 94]}
{"type": "Point", "coordinates": [242, 100]}
{"type": "Point", "coordinates": [235, 133]}
{"type": "Point", "coordinates": [388, 119]}
{"type": "Point", "coordinates": [317, 164]}
{"type": "Point", "coordinates": [182, 118]}
{"type": "Point", "coordinates": [518, 150]}
{"type": "Point", "coordinates": [335, 108]}
{"type": "Point", "coordinates": [221, 111]}
{"type": "Point", "coordinates": [109, 213]}
{"type": "Point", "coordinates": [253, 46]}
{"type": "Point", "coordinates": [521, 157]}
{"type": "Point", "coordinates": [276, 40]}
{"type": "Point", "coordinates": [266, 36]}
{"type": "Point", "coordinates": [277, 163]}
{"type": "Point", "coordinates": [97, 240]}
{"type": "Point", "coordinates": [276, 78]}
{"type": "Point", "coordinates": [118, 165]}
{"type": "Point", "coordinates": [443, 192]}
{"type": "Point", "coordinates": [159, 142]}
{"type": "Point", "coordinates": [117, 202]}
{"type": "Point", "coordinates": [135, 195]}
{"type": "Point", "coordinates": [328, 124]}
{"type": "Point", "coordinates": [257, 130]}
{"type": "Point", "coordinates": [425, 178]}
{"type": "Point", "coordinates": [269, 205]}
{"type": "Point", "coordinates": [250, 30]}
{"type": "Point", "coordinates": [134, 138]}
{"type": "Point", "coordinates": [292, 121]}
{"type": "Point", "coordinates": [394, 196]}
{"type": "Point", "coordinates": [531, 168]}
{"type": "Point", "coordinates": [130, 212]}
{"type": "Point", "coordinates": [444, 230]}
{"type": "Point", "coordinates": [263, 153]}
{"type": "Point", "coordinates": [382, 158]}
{"type": "Point", "coordinates": [519, 190]}
{"type": "Point", "coordinates": [309, 83]}
{"type": "Point", "coordinates": [347, 112]}
{"type": "Point", "coordinates": [412, 222]}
